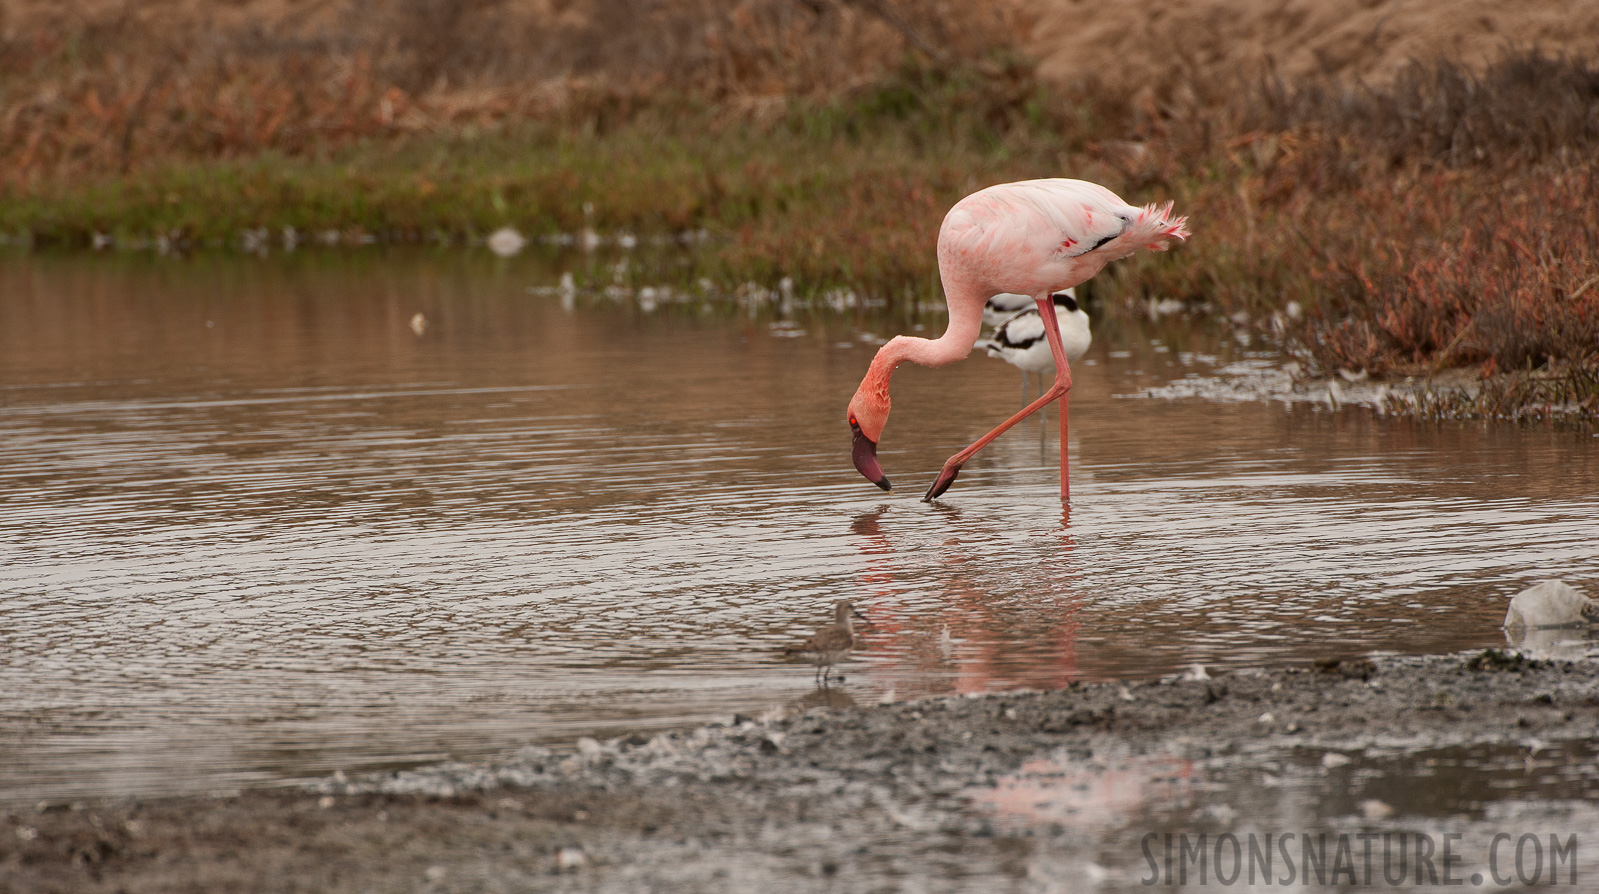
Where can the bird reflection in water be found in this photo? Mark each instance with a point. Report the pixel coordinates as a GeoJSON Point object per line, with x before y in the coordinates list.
{"type": "Point", "coordinates": [829, 698]}
{"type": "Point", "coordinates": [973, 637]}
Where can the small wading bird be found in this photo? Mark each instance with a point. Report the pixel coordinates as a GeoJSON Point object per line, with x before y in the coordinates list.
{"type": "Point", "coordinates": [1035, 237]}
{"type": "Point", "coordinates": [1005, 305]}
{"type": "Point", "coordinates": [1019, 339]}
{"type": "Point", "coordinates": [830, 644]}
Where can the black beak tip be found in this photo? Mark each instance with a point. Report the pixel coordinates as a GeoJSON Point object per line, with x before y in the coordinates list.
{"type": "Point", "coordinates": [864, 452]}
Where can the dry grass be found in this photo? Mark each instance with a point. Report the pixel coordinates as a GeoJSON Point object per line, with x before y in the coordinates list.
{"type": "Point", "coordinates": [1477, 240]}
{"type": "Point", "coordinates": [1449, 219]}
{"type": "Point", "coordinates": [116, 91]}
{"type": "Point", "coordinates": [1438, 274]}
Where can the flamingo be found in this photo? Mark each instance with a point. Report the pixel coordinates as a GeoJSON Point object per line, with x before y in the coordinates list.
{"type": "Point", "coordinates": [1033, 237]}
{"type": "Point", "coordinates": [1020, 340]}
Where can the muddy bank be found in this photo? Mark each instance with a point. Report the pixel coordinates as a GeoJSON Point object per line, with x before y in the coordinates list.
{"type": "Point", "coordinates": [946, 793]}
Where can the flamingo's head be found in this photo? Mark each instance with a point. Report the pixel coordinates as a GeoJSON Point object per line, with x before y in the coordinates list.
{"type": "Point", "coordinates": [868, 413]}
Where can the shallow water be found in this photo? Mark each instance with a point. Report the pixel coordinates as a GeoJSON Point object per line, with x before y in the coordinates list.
{"type": "Point", "coordinates": [257, 528]}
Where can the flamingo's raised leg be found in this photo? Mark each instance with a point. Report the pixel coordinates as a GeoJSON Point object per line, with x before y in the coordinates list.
{"type": "Point", "coordinates": [1058, 390]}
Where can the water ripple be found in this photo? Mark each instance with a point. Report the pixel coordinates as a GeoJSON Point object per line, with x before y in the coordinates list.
{"type": "Point", "coordinates": [333, 545]}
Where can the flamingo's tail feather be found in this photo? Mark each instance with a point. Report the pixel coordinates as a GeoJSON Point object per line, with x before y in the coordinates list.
{"type": "Point", "coordinates": [1154, 227]}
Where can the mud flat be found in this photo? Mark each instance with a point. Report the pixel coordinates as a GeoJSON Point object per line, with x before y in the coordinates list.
{"type": "Point", "coordinates": [1022, 791]}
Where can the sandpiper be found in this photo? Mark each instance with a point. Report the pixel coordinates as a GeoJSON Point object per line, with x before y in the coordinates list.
{"type": "Point", "coordinates": [830, 644]}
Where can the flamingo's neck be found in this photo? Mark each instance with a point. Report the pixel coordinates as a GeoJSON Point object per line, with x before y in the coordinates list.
{"type": "Point", "coordinates": [965, 322]}
{"type": "Point", "coordinates": [870, 406]}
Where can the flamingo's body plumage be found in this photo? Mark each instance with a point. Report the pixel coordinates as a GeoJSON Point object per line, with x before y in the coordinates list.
{"type": "Point", "coordinates": [1035, 237]}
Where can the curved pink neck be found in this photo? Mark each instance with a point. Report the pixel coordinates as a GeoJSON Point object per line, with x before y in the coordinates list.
{"type": "Point", "coordinates": [965, 323]}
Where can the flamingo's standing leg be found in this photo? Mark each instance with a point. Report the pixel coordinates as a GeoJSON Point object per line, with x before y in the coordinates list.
{"type": "Point", "coordinates": [1063, 371]}
{"type": "Point", "coordinates": [1062, 384]}
{"type": "Point", "coordinates": [1043, 422]}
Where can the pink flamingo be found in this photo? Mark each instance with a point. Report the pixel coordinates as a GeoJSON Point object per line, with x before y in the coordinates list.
{"type": "Point", "coordinates": [1035, 237]}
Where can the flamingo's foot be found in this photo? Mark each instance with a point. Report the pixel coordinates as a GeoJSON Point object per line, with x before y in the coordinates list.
{"type": "Point", "coordinates": [945, 479]}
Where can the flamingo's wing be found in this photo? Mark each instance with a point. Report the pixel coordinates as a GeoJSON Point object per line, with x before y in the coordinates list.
{"type": "Point", "coordinates": [1088, 217]}
{"type": "Point", "coordinates": [1082, 228]}
{"type": "Point", "coordinates": [1035, 235]}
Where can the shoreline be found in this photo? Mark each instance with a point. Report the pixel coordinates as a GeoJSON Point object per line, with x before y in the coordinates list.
{"type": "Point", "coordinates": [1559, 395]}
{"type": "Point", "coordinates": [926, 787]}
{"type": "Point", "coordinates": [1563, 394]}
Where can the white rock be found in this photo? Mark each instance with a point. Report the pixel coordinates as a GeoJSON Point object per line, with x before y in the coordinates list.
{"type": "Point", "coordinates": [1373, 809]}
{"type": "Point", "coordinates": [506, 241]}
{"type": "Point", "coordinates": [1550, 603]}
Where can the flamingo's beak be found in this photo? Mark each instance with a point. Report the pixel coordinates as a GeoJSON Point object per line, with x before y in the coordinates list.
{"type": "Point", "coordinates": [864, 453]}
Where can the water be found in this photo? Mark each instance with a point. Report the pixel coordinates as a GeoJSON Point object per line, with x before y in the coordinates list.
{"type": "Point", "coordinates": [256, 528]}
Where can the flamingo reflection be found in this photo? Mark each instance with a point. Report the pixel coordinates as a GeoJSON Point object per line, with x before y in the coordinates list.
{"type": "Point", "coordinates": [969, 639]}
{"type": "Point", "coordinates": [1096, 794]}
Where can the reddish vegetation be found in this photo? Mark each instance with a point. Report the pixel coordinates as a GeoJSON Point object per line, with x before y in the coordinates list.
{"type": "Point", "coordinates": [1502, 280]}
{"type": "Point", "coordinates": [1450, 218]}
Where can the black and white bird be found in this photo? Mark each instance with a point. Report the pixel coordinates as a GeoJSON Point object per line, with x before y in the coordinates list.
{"type": "Point", "coordinates": [1005, 305]}
{"type": "Point", "coordinates": [1020, 341]}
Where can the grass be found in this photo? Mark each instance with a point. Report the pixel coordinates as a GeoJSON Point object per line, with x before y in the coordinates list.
{"type": "Point", "coordinates": [1447, 220]}
{"type": "Point", "coordinates": [791, 196]}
